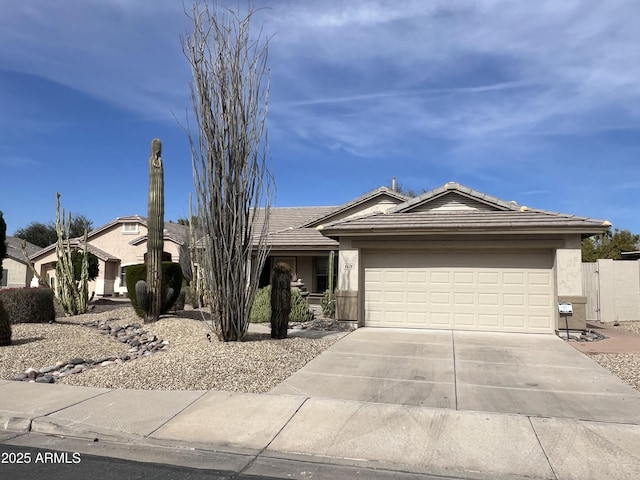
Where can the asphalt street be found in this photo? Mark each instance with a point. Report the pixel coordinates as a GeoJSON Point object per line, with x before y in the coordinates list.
{"type": "Point", "coordinates": [27, 463]}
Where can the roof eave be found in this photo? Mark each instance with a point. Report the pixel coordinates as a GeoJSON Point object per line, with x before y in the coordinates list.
{"type": "Point", "coordinates": [335, 233]}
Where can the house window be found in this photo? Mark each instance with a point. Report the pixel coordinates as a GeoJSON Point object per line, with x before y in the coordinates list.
{"type": "Point", "coordinates": [5, 277]}
{"type": "Point", "coordinates": [123, 276]}
{"type": "Point", "coordinates": [130, 228]}
{"type": "Point", "coordinates": [322, 273]}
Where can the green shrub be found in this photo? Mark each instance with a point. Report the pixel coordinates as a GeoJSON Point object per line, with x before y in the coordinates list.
{"type": "Point", "coordinates": [328, 305]}
{"type": "Point", "coordinates": [171, 277]}
{"type": "Point", "coordinates": [5, 327]}
{"type": "Point", "coordinates": [28, 305]}
{"type": "Point", "coordinates": [261, 310]}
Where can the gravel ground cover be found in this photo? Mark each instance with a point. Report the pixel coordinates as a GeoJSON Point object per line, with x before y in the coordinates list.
{"type": "Point", "coordinates": [191, 362]}
{"type": "Point", "coordinates": [624, 365]}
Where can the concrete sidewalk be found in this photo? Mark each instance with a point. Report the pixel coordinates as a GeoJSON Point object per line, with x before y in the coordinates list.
{"type": "Point", "coordinates": [249, 432]}
{"type": "Point", "coordinates": [584, 424]}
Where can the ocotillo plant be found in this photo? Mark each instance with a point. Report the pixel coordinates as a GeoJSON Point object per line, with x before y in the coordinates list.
{"type": "Point", "coordinates": [280, 300]}
{"type": "Point", "coordinates": [149, 294]}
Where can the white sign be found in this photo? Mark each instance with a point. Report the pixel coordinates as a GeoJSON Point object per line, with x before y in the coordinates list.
{"type": "Point", "coordinates": [565, 308]}
{"type": "Point", "coordinates": [348, 266]}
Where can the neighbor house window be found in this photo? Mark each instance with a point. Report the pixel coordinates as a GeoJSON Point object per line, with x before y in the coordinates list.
{"type": "Point", "coordinates": [130, 227]}
{"type": "Point", "coordinates": [5, 277]}
{"type": "Point", "coordinates": [123, 276]}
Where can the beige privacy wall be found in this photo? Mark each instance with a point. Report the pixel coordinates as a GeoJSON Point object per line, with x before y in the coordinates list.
{"type": "Point", "coordinates": [612, 288]}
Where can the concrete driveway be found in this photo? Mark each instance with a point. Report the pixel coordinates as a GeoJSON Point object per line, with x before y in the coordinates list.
{"type": "Point", "coordinates": [528, 374]}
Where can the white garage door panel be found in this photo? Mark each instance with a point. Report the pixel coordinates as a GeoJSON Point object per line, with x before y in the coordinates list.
{"type": "Point", "coordinates": [489, 291]}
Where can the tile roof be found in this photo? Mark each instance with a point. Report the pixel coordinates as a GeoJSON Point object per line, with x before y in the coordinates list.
{"type": "Point", "coordinates": [469, 221]}
{"type": "Point", "coordinates": [508, 217]}
{"type": "Point", "coordinates": [14, 249]}
{"type": "Point", "coordinates": [460, 189]}
{"type": "Point", "coordinates": [285, 231]}
{"type": "Point", "coordinates": [178, 234]}
{"type": "Point", "coordinates": [378, 192]}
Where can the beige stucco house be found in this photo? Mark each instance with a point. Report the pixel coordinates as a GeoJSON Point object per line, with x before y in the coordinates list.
{"type": "Point", "coordinates": [455, 258]}
{"type": "Point", "coordinates": [451, 258]}
{"type": "Point", "coordinates": [16, 272]}
{"type": "Point", "coordinates": [117, 244]}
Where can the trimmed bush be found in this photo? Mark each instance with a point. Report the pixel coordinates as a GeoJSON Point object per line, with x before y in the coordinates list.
{"type": "Point", "coordinates": [5, 327]}
{"type": "Point", "coordinates": [28, 305]}
{"type": "Point", "coordinates": [171, 277]}
{"type": "Point", "coordinates": [261, 310]}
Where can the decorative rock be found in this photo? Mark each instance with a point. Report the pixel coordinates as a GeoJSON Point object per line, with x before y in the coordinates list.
{"type": "Point", "coordinates": [45, 379]}
{"type": "Point", "coordinates": [48, 369]}
{"type": "Point", "coordinates": [142, 344]}
{"type": "Point", "coordinates": [103, 359]}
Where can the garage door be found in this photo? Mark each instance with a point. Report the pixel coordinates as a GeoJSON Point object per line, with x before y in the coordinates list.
{"type": "Point", "coordinates": [510, 292]}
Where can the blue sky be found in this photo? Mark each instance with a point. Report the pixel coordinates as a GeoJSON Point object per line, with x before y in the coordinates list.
{"type": "Point", "coordinates": [537, 102]}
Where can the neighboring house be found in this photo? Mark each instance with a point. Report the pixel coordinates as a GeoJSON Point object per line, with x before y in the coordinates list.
{"type": "Point", "coordinates": [293, 238]}
{"type": "Point", "coordinates": [15, 268]}
{"type": "Point", "coordinates": [117, 244]}
{"type": "Point", "coordinates": [455, 258]}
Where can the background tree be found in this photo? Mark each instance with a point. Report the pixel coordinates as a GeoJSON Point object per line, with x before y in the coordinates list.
{"type": "Point", "coordinates": [609, 245]}
{"type": "Point", "coordinates": [40, 234]}
{"type": "Point", "coordinates": [3, 238]}
{"type": "Point", "coordinates": [229, 94]}
{"type": "Point", "coordinates": [44, 234]}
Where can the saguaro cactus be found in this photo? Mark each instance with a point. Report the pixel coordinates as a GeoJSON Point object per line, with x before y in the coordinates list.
{"type": "Point", "coordinates": [5, 327]}
{"type": "Point", "coordinates": [149, 294]}
{"type": "Point", "coordinates": [280, 300]}
{"type": "Point", "coordinates": [329, 299]}
{"type": "Point", "coordinates": [3, 245]}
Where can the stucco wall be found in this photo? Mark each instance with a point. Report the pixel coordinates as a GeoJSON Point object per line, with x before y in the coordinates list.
{"type": "Point", "coordinates": [116, 243]}
{"type": "Point", "coordinates": [568, 266]}
{"type": "Point", "coordinates": [18, 274]}
{"type": "Point", "coordinates": [614, 287]}
{"type": "Point", "coordinates": [348, 266]}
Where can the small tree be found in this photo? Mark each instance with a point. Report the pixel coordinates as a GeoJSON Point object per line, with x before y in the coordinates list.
{"type": "Point", "coordinates": [77, 259]}
{"type": "Point", "coordinates": [609, 245]}
{"type": "Point", "coordinates": [233, 187]}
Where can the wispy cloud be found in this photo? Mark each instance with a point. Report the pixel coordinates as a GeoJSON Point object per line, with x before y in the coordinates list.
{"type": "Point", "coordinates": [573, 65]}
{"type": "Point", "coordinates": [364, 75]}
{"type": "Point", "coordinates": [18, 162]}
